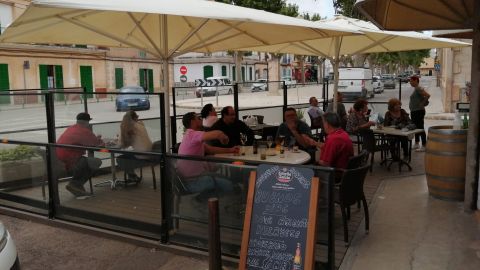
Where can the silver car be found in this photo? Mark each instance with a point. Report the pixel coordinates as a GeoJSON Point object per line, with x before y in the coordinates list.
{"type": "Point", "coordinates": [8, 250]}
{"type": "Point", "coordinates": [259, 85]}
{"type": "Point", "coordinates": [389, 81]}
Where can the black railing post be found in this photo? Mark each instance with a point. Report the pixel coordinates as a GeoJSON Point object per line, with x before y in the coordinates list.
{"type": "Point", "coordinates": [400, 90]}
{"type": "Point", "coordinates": [235, 99]}
{"type": "Point", "coordinates": [285, 97]}
{"type": "Point", "coordinates": [163, 122]}
{"type": "Point", "coordinates": [85, 105]}
{"type": "Point", "coordinates": [324, 97]}
{"type": "Point", "coordinates": [174, 101]}
{"type": "Point", "coordinates": [166, 199]}
{"type": "Point", "coordinates": [53, 197]}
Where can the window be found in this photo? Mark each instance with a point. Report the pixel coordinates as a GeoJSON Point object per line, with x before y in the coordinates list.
{"type": "Point", "coordinates": [224, 70]}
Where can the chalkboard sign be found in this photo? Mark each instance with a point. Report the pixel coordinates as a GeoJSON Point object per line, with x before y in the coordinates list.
{"type": "Point", "coordinates": [280, 219]}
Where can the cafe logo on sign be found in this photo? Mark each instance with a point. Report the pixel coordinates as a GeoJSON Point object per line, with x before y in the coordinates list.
{"type": "Point", "coordinates": [284, 175]}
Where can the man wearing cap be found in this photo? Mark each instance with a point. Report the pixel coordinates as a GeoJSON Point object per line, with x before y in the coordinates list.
{"type": "Point", "coordinates": [80, 166]}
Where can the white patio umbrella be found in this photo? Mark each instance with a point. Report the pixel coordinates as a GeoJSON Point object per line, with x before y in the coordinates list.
{"type": "Point", "coordinates": [372, 40]}
{"type": "Point", "coordinates": [440, 15]}
{"type": "Point", "coordinates": [162, 28]}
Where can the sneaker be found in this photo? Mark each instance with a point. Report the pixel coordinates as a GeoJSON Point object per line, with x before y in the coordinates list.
{"type": "Point", "coordinates": [78, 191]}
{"type": "Point", "coordinates": [420, 149]}
{"type": "Point", "coordinates": [416, 146]}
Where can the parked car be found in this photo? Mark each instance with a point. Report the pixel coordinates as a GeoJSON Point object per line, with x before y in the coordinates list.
{"type": "Point", "coordinates": [289, 82]}
{"type": "Point", "coordinates": [389, 81]}
{"type": "Point", "coordinates": [377, 84]}
{"type": "Point", "coordinates": [404, 77]}
{"type": "Point", "coordinates": [8, 250]}
{"type": "Point", "coordinates": [221, 84]}
{"type": "Point", "coordinates": [259, 85]}
{"type": "Point", "coordinates": [355, 82]}
{"type": "Point", "coordinates": [132, 98]}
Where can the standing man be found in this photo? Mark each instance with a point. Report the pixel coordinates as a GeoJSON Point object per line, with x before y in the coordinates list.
{"type": "Point", "coordinates": [80, 166]}
{"type": "Point", "coordinates": [232, 127]}
{"type": "Point", "coordinates": [418, 101]}
{"type": "Point", "coordinates": [340, 109]}
{"type": "Point", "coordinates": [338, 147]}
{"type": "Point", "coordinates": [294, 130]}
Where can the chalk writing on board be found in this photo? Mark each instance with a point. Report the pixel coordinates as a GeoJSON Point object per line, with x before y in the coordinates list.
{"type": "Point", "coordinates": [279, 219]}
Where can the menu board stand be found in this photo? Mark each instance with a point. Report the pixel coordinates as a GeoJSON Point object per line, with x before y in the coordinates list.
{"type": "Point", "coordinates": [267, 227]}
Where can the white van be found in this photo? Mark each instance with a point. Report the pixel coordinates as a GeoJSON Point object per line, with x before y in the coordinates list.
{"type": "Point", "coordinates": [224, 87]}
{"type": "Point", "coordinates": [355, 82]}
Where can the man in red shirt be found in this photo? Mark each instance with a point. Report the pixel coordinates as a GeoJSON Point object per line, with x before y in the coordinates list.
{"type": "Point", "coordinates": [81, 167]}
{"type": "Point", "coordinates": [338, 147]}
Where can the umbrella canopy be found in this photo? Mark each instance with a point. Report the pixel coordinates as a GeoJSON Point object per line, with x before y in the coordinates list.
{"type": "Point", "coordinates": [440, 15]}
{"type": "Point", "coordinates": [418, 15]}
{"type": "Point", "coordinates": [163, 28]}
{"type": "Point", "coordinates": [372, 40]}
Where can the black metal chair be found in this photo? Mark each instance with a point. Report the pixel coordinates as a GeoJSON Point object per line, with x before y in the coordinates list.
{"type": "Point", "coordinates": [269, 131]}
{"type": "Point", "coordinates": [259, 118]}
{"type": "Point", "coordinates": [359, 160]}
{"type": "Point", "coordinates": [373, 144]}
{"type": "Point", "coordinates": [349, 192]}
{"type": "Point", "coordinates": [316, 124]}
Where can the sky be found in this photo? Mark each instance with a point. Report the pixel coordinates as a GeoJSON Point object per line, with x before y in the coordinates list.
{"type": "Point", "coordinates": [322, 7]}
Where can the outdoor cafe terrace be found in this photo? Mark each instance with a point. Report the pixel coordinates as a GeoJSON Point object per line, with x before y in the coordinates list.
{"type": "Point", "coordinates": [157, 207]}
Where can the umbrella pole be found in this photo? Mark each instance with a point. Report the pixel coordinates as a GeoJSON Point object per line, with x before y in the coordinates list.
{"type": "Point", "coordinates": [166, 81]}
{"type": "Point", "coordinates": [336, 63]}
{"type": "Point", "coordinates": [472, 167]}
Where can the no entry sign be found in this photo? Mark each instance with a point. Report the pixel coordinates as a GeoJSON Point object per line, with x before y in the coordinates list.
{"type": "Point", "coordinates": [183, 70]}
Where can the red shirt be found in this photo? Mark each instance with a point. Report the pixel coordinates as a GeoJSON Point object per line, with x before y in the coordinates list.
{"type": "Point", "coordinates": [338, 148]}
{"type": "Point", "coordinates": [75, 135]}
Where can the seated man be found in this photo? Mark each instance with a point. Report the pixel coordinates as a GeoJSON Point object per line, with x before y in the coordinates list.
{"type": "Point", "coordinates": [294, 130]}
{"type": "Point", "coordinates": [315, 113]}
{"type": "Point", "coordinates": [193, 144]}
{"type": "Point", "coordinates": [232, 127]}
{"type": "Point", "coordinates": [80, 166]}
{"type": "Point", "coordinates": [338, 147]}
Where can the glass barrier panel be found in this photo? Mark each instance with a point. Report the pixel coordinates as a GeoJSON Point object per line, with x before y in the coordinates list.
{"type": "Point", "coordinates": [23, 177]}
{"type": "Point", "coordinates": [115, 189]}
{"type": "Point", "coordinates": [194, 181]}
{"type": "Point", "coordinates": [23, 116]}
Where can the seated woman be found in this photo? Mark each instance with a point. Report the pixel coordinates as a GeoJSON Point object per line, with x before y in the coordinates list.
{"type": "Point", "coordinates": [209, 116]}
{"type": "Point", "coordinates": [396, 116]}
{"type": "Point", "coordinates": [133, 134]}
{"type": "Point", "coordinates": [357, 119]}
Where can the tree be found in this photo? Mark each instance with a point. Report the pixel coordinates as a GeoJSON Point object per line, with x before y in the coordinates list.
{"type": "Point", "coordinates": [274, 6]}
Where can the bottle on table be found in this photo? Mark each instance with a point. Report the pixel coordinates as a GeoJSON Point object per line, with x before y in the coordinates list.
{"type": "Point", "coordinates": [255, 147]}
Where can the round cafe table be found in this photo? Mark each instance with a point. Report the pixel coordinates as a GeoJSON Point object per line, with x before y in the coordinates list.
{"type": "Point", "coordinates": [290, 157]}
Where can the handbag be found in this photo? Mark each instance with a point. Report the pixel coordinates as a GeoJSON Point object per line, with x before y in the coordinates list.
{"type": "Point", "coordinates": [425, 101]}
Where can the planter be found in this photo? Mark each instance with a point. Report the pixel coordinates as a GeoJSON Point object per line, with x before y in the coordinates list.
{"type": "Point", "coordinates": [445, 162]}
{"type": "Point", "coordinates": [21, 171]}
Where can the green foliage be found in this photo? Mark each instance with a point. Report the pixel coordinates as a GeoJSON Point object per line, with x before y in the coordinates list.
{"type": "Point", "coordinates": [315, 17]}
{"type": "Point", "coordinates": [18, 153]}
{"type": "Point", "coordinates": [400, 60]}
{"type": "Point", "coordinates": [347, 8]}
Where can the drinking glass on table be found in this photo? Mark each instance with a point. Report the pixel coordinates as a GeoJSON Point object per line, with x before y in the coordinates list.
{"type": "Point", "coordinates": [243, 140]}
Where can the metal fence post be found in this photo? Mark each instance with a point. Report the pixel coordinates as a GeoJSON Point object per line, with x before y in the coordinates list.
{"type": "Point", "coordinates": [400, 90]}
{"type": "Point", "coordinates": [53, 197]}
{"type": "Point", "coordinates": [235, 99]}
{"type": "Point", "coordinates": [163, 122]}
{"type": "Point", "coordinates": [214, 246]}
{"type": "Point", "coordinates": [285, 97]}
{"type": "Point", "coordinates": [85, 105]}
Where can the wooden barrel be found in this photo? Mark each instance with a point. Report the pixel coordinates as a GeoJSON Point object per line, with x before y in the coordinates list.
{"type": "Point", "coordinates": [445, 162]}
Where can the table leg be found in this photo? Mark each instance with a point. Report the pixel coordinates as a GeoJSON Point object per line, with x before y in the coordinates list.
{"type": "Point", "coordinates": [113, 182]}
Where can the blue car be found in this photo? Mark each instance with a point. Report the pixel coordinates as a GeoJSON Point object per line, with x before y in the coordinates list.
{"type": "Point", "coordinates": [132, 98]}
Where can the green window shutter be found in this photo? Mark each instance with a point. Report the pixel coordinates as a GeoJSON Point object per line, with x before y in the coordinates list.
{"type": "Point", "coordinates": [224, 70]}
{"type": "Point", "coordinates": [250, 74]}
{"type": "Point", "coordinates": [234, 73]}
{"type": "Point", "coordinates": [43, 69]}
{"type": "Point", "coordinates": [118, 78]}
{"type": "Point", "coordinates": [86, 79]}
{"type": "Point", "coordinates": [4, 83]}
{"type": "Point", "coordinates": [243, 74]}
{"type": "Point", "coordinates": [207, 71]}
{"type": "Point", "coordinates": [150, 80]}
{"type": "Point", "coordinates": [59, 83]}
{"type": "Point", "coordinates": [142, 78]}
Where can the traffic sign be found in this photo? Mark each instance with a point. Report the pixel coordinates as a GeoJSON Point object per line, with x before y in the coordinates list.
{"type": "Point", "coordinates": [437, 67]}
{"type": "Point", "coordinates": [183, 78]}
{"type": "Point", "coordinates": [183, 70]}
